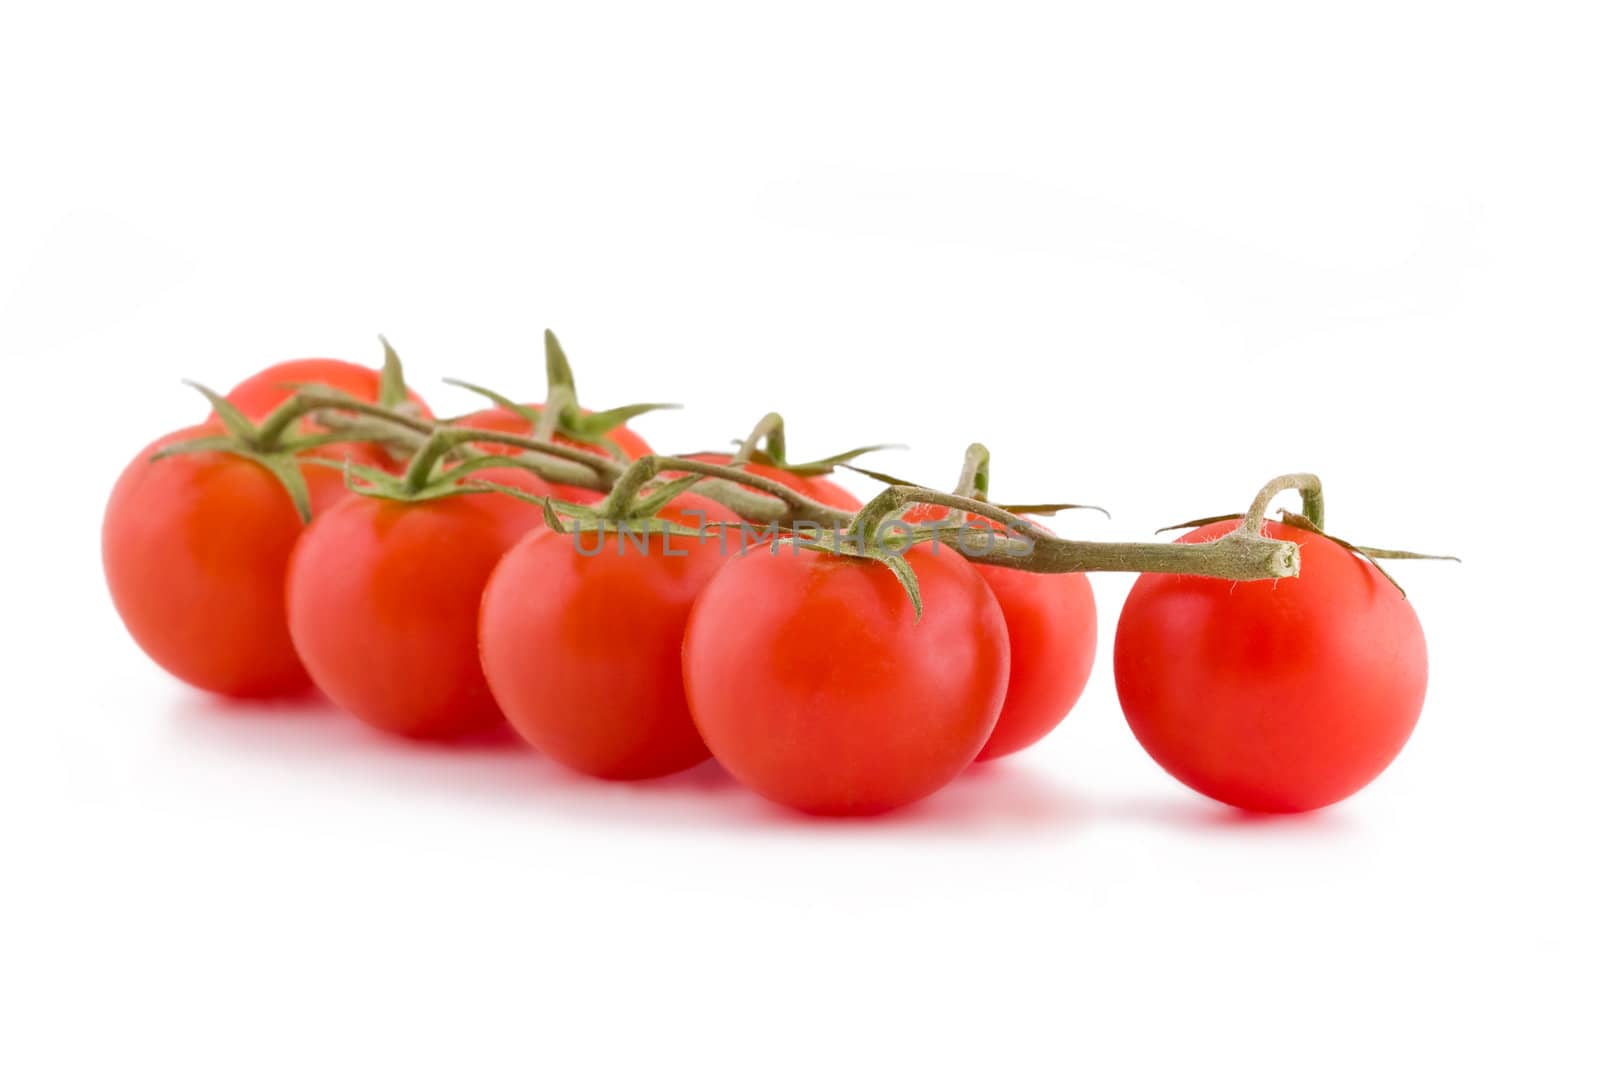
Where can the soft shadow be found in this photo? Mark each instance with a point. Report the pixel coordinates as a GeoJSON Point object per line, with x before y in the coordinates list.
{"type": "Point", "coordinates": [987, 800]}
{"type": "Point", "coordinates": [312, 734]}
{"type": "Point", "coordinates": [1007, 796]}
{"type": "Point", "coordinates": [1195, 813]}
{"type": "Point", "coordinates": [200, 712]}
{"type": "Point", "coordinates": [310, 738]}
{"type": "Point", "coordinates": [312, 702]}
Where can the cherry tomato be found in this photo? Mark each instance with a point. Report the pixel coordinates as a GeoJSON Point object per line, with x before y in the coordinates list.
{"type": "Point", "coordinates": [582, 637]}
{"type": "Point", "coordinates": [1053, 631]}
{"type": "Point", "coordinates": [383, 605]}
{"type": "Point", "coordinates": [815, 486]}
{"type": "Point", "coordinates": [814, 684]}
{"type": "Point", "coordinates": [1051, 622]}
{"type": "Point", "coordinates": [195, 548]}
{"type": "Point", "coordinates": [1272, 696]}
{"type": "Point", "coordinates": [258, 395]}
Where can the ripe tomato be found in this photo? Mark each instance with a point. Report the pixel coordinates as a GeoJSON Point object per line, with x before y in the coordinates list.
{"type": "Point", "coordinates": [383, 605]}
{"type": "Point", "coordinates": [1052, 626]}
{"type": "Point", "coordinates": [818, 488]}
{"type": "Point", "coordinates": [814, 684]}
{"type": "Point", "coordinates": [1050, 619]}
{"type": "Point", "coordinates": [582, 638]}
{"type": "Point", "coordinates": [633, 446]}
{"type": "Point", "coordinates": [263, 391]}
{"type": "Point", "coordinates": [195, 547]}
{"type": "Point", "coordinates": [1272, 696]}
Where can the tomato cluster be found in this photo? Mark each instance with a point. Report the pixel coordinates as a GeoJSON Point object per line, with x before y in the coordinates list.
{"type": "Point", "coordinates": [537, 565]}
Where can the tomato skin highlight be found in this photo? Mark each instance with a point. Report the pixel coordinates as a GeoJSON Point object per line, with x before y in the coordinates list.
{"type": "Point", "coordinates": [195, 548]}
{"type": "Point", "coordinates": [814, 684]}
{"type": "Point", "coordinates": [1278, 696]}
{"type": "Point", "coordinates": [818, 488]}
{"type": "Point", "coordinates": [582, 641]}
{"type": "Point", "coordinates": [1053, 629]}
{"type": "Point", "coordinates": [383, 605]}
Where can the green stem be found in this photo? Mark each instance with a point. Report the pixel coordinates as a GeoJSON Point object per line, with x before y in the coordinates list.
{"type": "Point", "coordinates": [1311, 503]}
{"type": "Point", "coordinates": [313, 398]}
{"type": "Point", "coordinates": [312, 402]}
{"type": "Point", "coordinates": [626, 489]}
{"type": "Point", "coordinates": [355, 427]}
{"type": "Point", "coordinates": [974, 480]}
{"type": "Point", "coordinates": [1242, 559]}
{"type": "Point", "coordinates": [768, 430]}
{"type": "Point", "coordinates": [1243, 555]}
{"type": "Point", "coordinates": [420, 469]}
{"type": "Point", "coordinates": [553, 462]}
{"type": "Point", "coordinates": [889, 503]}
{"type": "Point", "coordinates": [771, 502]}
{"type": "Point", "coordinates": [1240, 556]}
{"type": "Point", "coordinates": [605, 468]}
{"type": "Point", "coordinates": [270, 431]}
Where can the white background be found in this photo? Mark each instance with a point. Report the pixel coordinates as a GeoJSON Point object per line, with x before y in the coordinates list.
{"type": "Point", "coordinates": [1151, 256]}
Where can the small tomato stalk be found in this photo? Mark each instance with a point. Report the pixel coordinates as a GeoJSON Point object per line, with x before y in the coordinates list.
{"type": "Point", "coordinates": [1245, 556]}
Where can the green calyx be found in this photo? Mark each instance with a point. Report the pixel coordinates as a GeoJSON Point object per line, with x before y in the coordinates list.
{"type": "Point", "coordinates": [1310, 519]}
{"type": "Point", "coordinates": [880, 532]}
{"type": "Point", "coordinates": [564, 516]}
{"type": "Point", "coordinates": [271, 446]}
{"type": "Point", "coordinates": [889, 553]}
{"type": "Point", "coordinates": [279, 442]}
{"type": "Point", "coordinates": [624, 503]}
{"type": "Point", "coordinates": [766, 444]}
{"type": "Point", "coordinates": [977, 495]}
{"type": "Point", "coordinates": [1366, 552]}
{"type": "Point", "coordinates": [560, 413]}
{"type": "Point", "coordinates": [373, 423]}
{"type": "Point", "coordinates": [392, 391]}
{"type": "Point", "coordinates": [444, 466]}
{"type": "Point", "coordinates": [379, 484]}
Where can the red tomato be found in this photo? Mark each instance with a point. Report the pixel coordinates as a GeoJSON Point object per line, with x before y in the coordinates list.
{"type": "Point", "coordinates": [383, 605]}
{"type": "Point", "coordinates": [582, 640]}
{"type": "Point", "coordinates": [263, 391]}
{"type": "Point", "coordinates": [818, 488]}
{"type": "Point", "coordinates": [1273, 696]}
{"type": "Point", "coordinates": [1051, 622]}
{"type": "Point", "coordinates": [195, 548]}
{"type": "Point", "coordinates": [633, 446]}
{"type": "Point", "coordinates": [814, 684]}
{"type": "Point", "coordinates": [1053, 631]}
